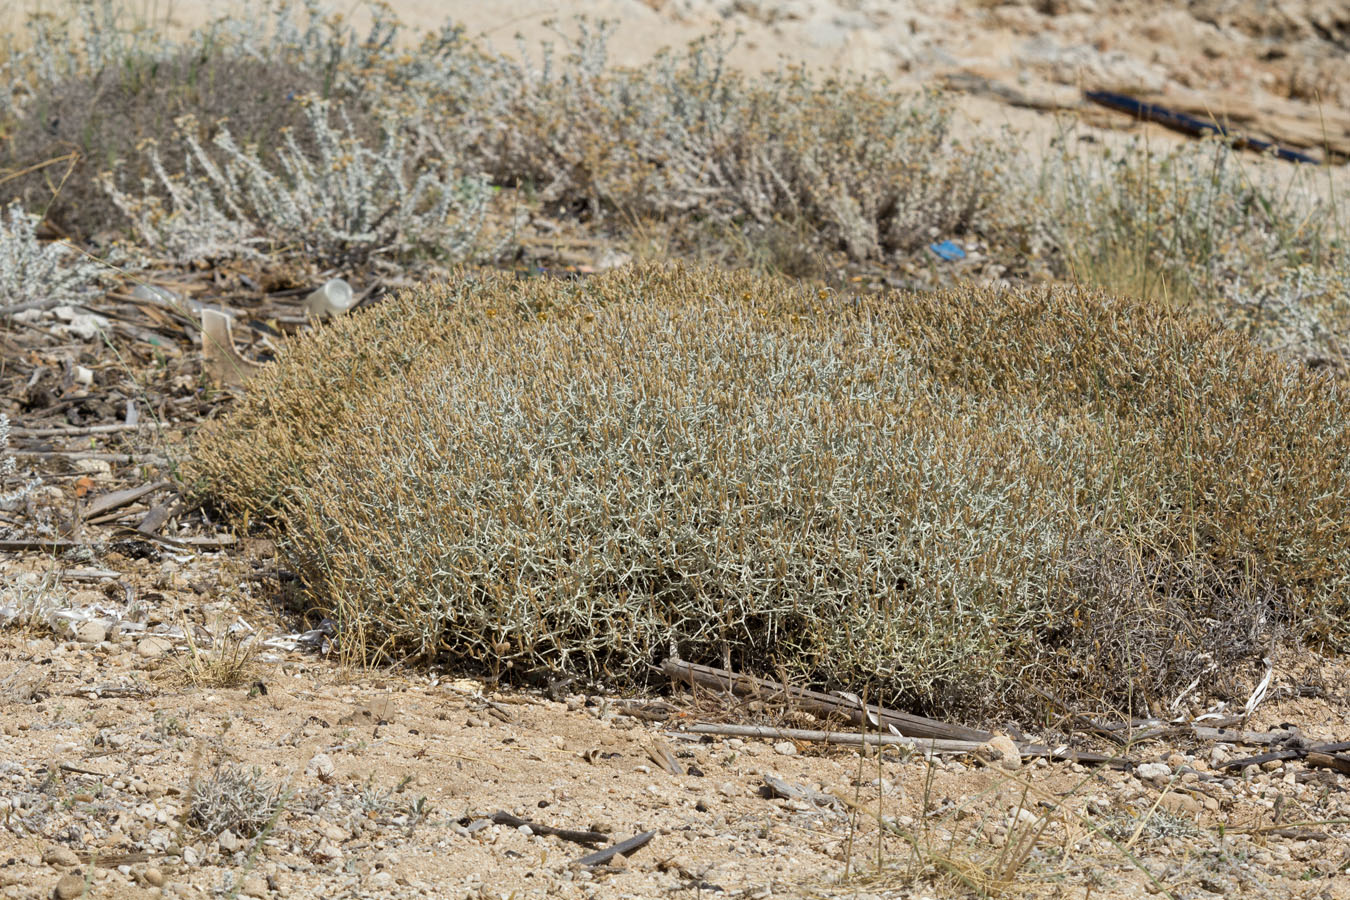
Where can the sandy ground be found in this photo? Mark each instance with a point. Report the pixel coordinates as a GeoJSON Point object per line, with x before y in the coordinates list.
{"type": "Point", "coordinates": [392, 778]}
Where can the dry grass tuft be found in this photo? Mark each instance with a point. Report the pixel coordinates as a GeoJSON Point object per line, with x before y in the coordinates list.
{"type": "Point", "coordinates": [947, 494]}
{"type": "Point", "coordinates": [228, 659]}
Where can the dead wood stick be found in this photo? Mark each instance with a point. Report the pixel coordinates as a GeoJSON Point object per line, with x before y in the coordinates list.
{"type": "Point", "coordinates": [187, 543]}
{"type": "Point", "coordinates": [1338, 762]}
{"type": "Point", "coordinates": [663, 756]}
{"type": "Point", "coordinates": [1217, 732]}
{"type": "Point", "coordinates": [777, 787]}
{"type": "Point", "coordinates": [1230, 736]}
{"type": "Point", "coordinates": [117, 515]}
{"type": "Point", "coordinates": [1295, 834]}
{"type": "Point", "coordinates": [112, 861]}
{"type": "Point", "coordinates": [117, 499]}
{"type": "Point", "coordinates": [1303, 752]}
{"type": "Point", "coordinates": [850, 738]}
{"type": "Point", "coordinates": [122, 459]}
{"type": "Point", "coordinates": [924, 745]}
{"type": "Point", "coordinates": [71, 431]}
{"type": "Point", "coordinates": [817, 702]}
{"type": "Point", "coordinates": [154, 520]}
{"type": "Point", "coordinates": [588, 838]}
{"type": "Point", "coordinates": [623, 848]}
{"type": "Point", "coordinates": [31, 304]}
{"type": "Point", "coordinates": [39, 546]}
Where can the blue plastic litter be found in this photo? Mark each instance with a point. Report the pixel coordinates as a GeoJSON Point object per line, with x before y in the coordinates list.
{"type": "Point", "coordinates": [948, 250]}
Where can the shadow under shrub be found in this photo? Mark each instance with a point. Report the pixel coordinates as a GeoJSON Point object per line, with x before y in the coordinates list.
{"type": "Point", "coordinates": [941, 496]}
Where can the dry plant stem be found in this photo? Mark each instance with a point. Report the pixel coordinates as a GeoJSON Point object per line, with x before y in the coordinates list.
{"type": "Point", "coordinates": [845, 738]}
{"type": "Point", "coordinates": [927, 746]}
{"type": "Point", "coordinates": [813, 701]}
{"type": "Point", "coordinates": [72, 431]}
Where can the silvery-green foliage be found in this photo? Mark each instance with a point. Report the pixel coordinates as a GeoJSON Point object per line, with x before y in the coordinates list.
{"type": "Point", "coordinates": [344, 202]}
{"type": "Point", "coordinates": [235, 798]}
{"type": "Point", "coordinates": [307, 34]}
{"type": "Point", "coordinates": [9, 469]}
{"type": "Point", "coordinates": [927, 493]}
{"type": "Point", "coordinates": [872, 170]}
{"type": "Point", "coordinates": [1304, 312]}
{"type": "Point", "coordinates": [97, 35]}
{"type": "Point", "coordinates": [102, 34]}
{"type": "Point", "coordinates": [33, 272]}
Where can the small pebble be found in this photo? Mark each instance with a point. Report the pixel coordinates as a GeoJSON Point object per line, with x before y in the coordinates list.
{"type": "Point", "coordinates": [153, 647]}
{"type": "Point", "coordinates": [69, 887]}
{"type": "Point", "coordinates": [90, 632]}
{"type": "Point", "coordinates": [320, 766]}
{"type": "Point", "coordinates": [61, 857]}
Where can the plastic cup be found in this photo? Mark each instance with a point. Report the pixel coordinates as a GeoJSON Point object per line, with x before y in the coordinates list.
{"type": "Point", "coordinates": [332, 299]}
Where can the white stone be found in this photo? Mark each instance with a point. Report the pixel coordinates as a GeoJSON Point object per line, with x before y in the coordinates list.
{"type": "Point", "coordinates": [90, 631]}
{"type": "Point", "coordinates": [153, 646]}
{"type": "Point", "coordinates": [1152, 771]}
{"type": "Point", "coordinates": [320, 766]}
{"type": "Point", "coordinates": [1001, 751]}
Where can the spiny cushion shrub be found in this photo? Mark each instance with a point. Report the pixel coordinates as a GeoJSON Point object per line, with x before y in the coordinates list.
{"type": "Point", "coordinates": [942, 496]}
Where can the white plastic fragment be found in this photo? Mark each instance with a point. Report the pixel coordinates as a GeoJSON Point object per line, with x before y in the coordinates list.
{"type": "Point", "coordinates": [333, 299]}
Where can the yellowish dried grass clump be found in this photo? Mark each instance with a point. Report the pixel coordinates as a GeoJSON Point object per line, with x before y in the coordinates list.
{"type": "Point", "coordinates": [942, 496]}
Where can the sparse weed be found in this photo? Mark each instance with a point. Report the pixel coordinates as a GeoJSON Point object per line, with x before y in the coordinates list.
{"type": "Point", "coordinates": [103, 121]}
{"type": "Point", "coordinates": [1153, 826]}
{"type": "Point", "coordinates": [782, 171]}
{"type": "Point", "coordinates": [689, 138]}
{"type": "Point", "coordinates": [25, 604]}
{"type": "Point", "coordinates": [9, 471]}
{"type": "Point", "coordinates": [1028, 842]}
{"type": "Point", "coordinates": [167, 726]}
{"type": "Point", "coordinates": [234, 798]}
{"type": "Point", "coordinates": [1205, 228]}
